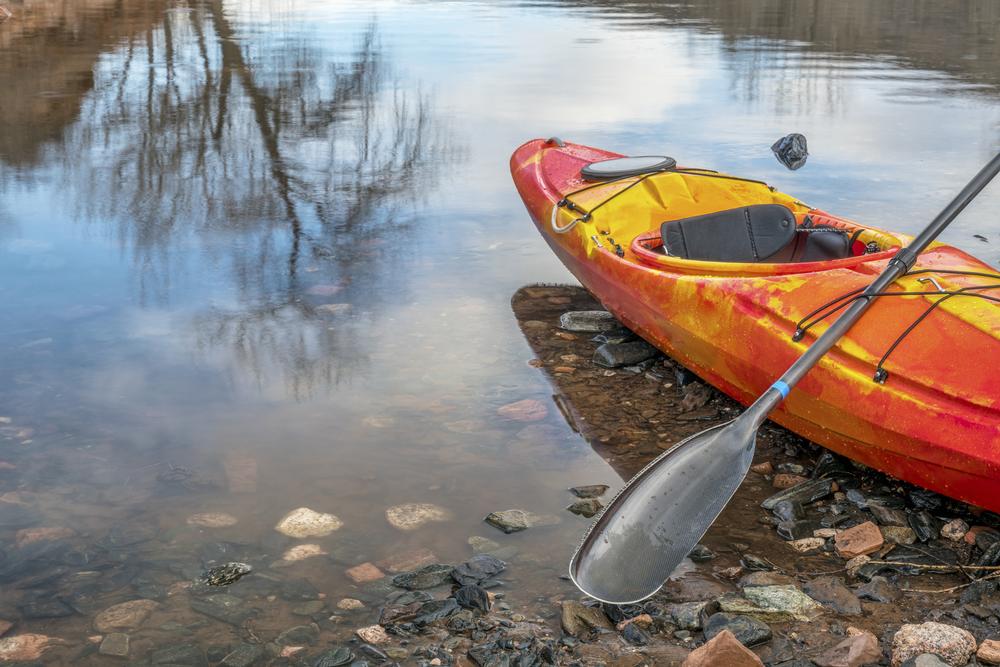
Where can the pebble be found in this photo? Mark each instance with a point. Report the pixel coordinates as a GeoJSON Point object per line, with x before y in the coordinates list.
{"type": "Point", "coordinates": [748, 630]}
{"type": "Point", "coordinates": [411, 516]}
{"type": "Point", "coordinates": [787, 481]}
{"type": "Point", "coordinates": [854, 565]}
{"type": "Point", "coordinates": [853, 651]}
{"type": "Point", "coordinates": [363, 573]}
{"type": "Point", "coordinates": [212, 520]}
{"type": "Point", "coordinates": [304, 522]}
{"type": "Point", "coordinates": [577, 618]}
{"type": "Point", "coordinates": [527, 410]}
{"type": "Point", "coordinates": [954, 530]}
{"type": "Point", "coordinates": [953, 645]}
{"type": "Point", "coordinates": [764, 468]}
{"type": "Point", "coordinates": [350, 604]}
{"type": "Point", "coordinates": [807, 544]}
{"type": "Point", "coordinates": [589, 491]}
{"type": "Point", "coordinates": [429, 576]}
{"type": "Point", "coordinates": [514, 520]}
{"type": "Point", "coordinates": [125, 616]}
{"type": "Point", "coordinates": [303, 551]}
{"type": "Point", "coordinates": [701, 554]}
{"type": "Point", "coordinates": [586, 507]}
{"type": "Point", "coordinates": [373, 634]}
{"type": "Point", "coordinates": [878, 589]}
{"type": "Point", "coordinates": [116, 644]}
{"type": "Point", "coordinates": [407, 561]}
{"type": "Point", "coordinates": [899, 534]}
{"type": "Point", "coordinates": [723, 649]}
{"type": "Point", "coordinates": [860, 540]}
{"type": "Point", "coordinates": [989, 652]}
{"type": "Point", "coordinates": [831, 592]}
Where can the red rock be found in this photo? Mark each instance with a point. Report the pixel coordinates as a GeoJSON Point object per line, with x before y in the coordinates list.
{"type": "Point", "coordinates": [723, 649]}
{"type": "Point", "coordinates": [407, 561]}
{"type": "Point", "coordinates": [989, 652]}
{"type": "Point", "coordinates": [764, 468]}
{"type": "Point", "coordinates": [364, 573]}
{"type": "Point", "coordinates": [528, 410]}
{"type": "Point", "coordinates": [786, 481]}
{"type": "Point", "coordinates": [856, 650]}
{"type": "Point", "coordinates": [862, 539]}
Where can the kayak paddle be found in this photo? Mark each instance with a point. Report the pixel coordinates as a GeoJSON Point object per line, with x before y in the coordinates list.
{"type": "Point", "coordinates": [662, 512]}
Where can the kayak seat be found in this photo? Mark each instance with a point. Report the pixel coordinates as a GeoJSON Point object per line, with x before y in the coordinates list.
{"type": "Point", "coordinates": [757, 233]}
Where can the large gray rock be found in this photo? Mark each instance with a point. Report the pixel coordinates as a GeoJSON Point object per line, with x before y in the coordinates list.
{"type": "Point", "coordinates": [589, 321]}
{"type": "Point", "coordinates": [831, 592]}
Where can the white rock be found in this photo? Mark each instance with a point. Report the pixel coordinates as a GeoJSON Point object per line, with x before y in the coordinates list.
{"type": "Point", "coordinates": [413, 515]}
{"type": "Point", "coordinates": [303, 551]}
{"type": "Point", "coordinates": [304, 522]}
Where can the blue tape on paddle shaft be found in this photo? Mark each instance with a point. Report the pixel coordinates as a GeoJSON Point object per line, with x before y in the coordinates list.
{"type": "Point", "coordinates": [781, 387]}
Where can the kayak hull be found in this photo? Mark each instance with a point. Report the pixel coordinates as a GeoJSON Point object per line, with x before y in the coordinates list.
{"type": "Point", "coordinates": [935, 422]}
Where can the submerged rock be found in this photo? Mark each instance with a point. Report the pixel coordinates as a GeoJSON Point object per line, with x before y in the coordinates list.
{"type": "Point", "coordinates": [301, 552]}
{"type": "Point", "coordinates": [472, 596]}
{"type": "Point", "coordinates": [124, 616]}
{"type": "Point", "coordinates": [429, 576]}
{"type": "Point", "coordinates": [304, 522]}
{"type": "Point", "coordinates": [24, 647]}
{"type": "Point", "coordinates": [701, 554]}
{"type": "Point", "coordinates": [477, 569]}
{"type": "Point", "coordinates": [116, 644]}
{"type": "Point", "coordinates": [514, 520]}
{"type": "Point", "coordinates": [527, 410]}
{"type": "Point", "coordinates": [212, 520]}
{"type": "Point", "coordinates": [747, 630]}
{"type": "Point", "coordinates": [831, 592]}
{"type": "Point", "coordinates": [223, 575]}
{"type": "Point", "coordinates": [414, 515]}
{"type": "Point", "coordinates": [615, 355]}
{"type": "Point", "coordinates": [590, 491]}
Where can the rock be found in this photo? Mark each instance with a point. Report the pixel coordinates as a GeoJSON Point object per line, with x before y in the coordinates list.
{"type": "Point", "coordinates": [407, 561]}
{"type": "Point", "coordinates": [116, 644]}
{"type": "Point", "coordinates": [334, 657]}
{"type": "Point", "coordinates": [589, 321]}
{"type": "Point", "coordinates": [989, 652]}
{"type": "Point", "coordinates": [591, 491]}
{"type": "Point", "coordinates": [807, 544]}
{"type": "Point", "coordinates": [764, 468]}
{"type": "Point", "coordinates": [24, 647]}
{"type": "Point", "coordinates": [223, 575]}
{"type": "Point", "coordinates": [854, 565]}
{"type": "Point", "coordinates": [723, 649]}
{"type": "Point", "coordinates": [878, 589]}
{"type": "Point", "coordinates": [373, 634]}
{"type": "Point", "coordinates": [775, 601]}
{"type": "Point", "coordinates": [364, 573]}
{"type": "Point", "coordinates": [925, 660]}
{"type": "Point", "coordinates": [299, 635]}
{"type": "Point", "coordinates": [188, 655]}
{"type": "Point", "coordinates": [804, 493]}
{"type": "Point", "coordinates": [923, 499]}
{"type": "Point", "coordinates": [226, 608]}
{"type": "Point", "coordinates": [26, 536]}
{"type": "Point", "coordinates": [888, 516]}
{"type": "Point", "coordinates": [954, 530]}
{"type": "Point", "coordinates": [304, 522]}
{"type": "Point", "coordinates": [748, 631]}
{"type": "Point", "coordinates": [854, 651]}
{"type": "Point", "coordinates": [865, 538]}
{"type": "Point", "coordinates": [212, 520]}
{"type": "Point", "coordinates": [787, 510]}
{"type": "Point", "coordinates": [414, 515]}
{"type": "Point", "coordinates": [616, 355]}
{"type": "Point", "coordinates": [586, 507]}
{"type": "Point", "coordinates": [701, 554]}
{"type": "Point", "coordinates": [514, 520]}
{"type": "Point", "coordinates": [831, 592]}
{"type": "Point", "coordinates": [310, 608]}
{"type": "Point", "coordinates": [527, 410]}
{"type": "Point", "coordinates": [688, 615]}
{"type": "Point", "coordinates": [755, 563]}
{"type": "Point", "coordinates": [472, 596]}
{"type": "Point", "coordinates": [977, 532]}
{"type": "Point", "coordinates": [477, 569]}
{"type": "Point", "coordinates": [796, 530]}
{"type": "Point", "coordinates": [45, 608]}
{"type": "Point", "coordinates": [429, 576]}
{"type": "Point", "coordinates": [125, 616]}
{"type": "Point", "coordinates": [244, 655]}
{"type": "Point", "coordinates": [954, 645]}
{"type": "Point", "coordinates": [577, 618]}
{"type": "Point", "coordinates": [787, 481]}
{"type": "Point", "coordinates": [899, 534]}
{"type": "Point", "coordinates": [350, 604]}
{"type": "Point", "coordinates": [925, 526]}
{"type": "Point", "coordinates": [301, 552]}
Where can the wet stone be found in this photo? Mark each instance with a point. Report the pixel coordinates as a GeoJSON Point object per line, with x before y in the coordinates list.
{"type": "Point", "coordinates": [224, 575]}
{"type": "Point", "coordinates": [616, 355]}
{"type": "Point", "coordinates": [755, 563]}
{"type": "Point", "coordinates": [922, 499]}
{"type": "Point", "coordinates": [223, 607]}
{"type": "Point", "coordinates": [429, 576]}
{"type": "Point", "coordinates": [804, 493]}
{"type": "Point", "coordinates": [435, 610]}
{"type": "Point", "coordinates": [853, 651]}
{"type": "Point", "coordinates": [188, 655]}
{"type": "Point", "coordinates": [125, 616]}
{"type": "Point", "coordinates": [245, 655]}
{"type": "Point", "coordinates": [796, 530]}
{"type": "Point", "coordinates": [590, 491]}
{"type": "Point", "coordinates": [860, 540]}
{"type": "Point", "coordinates": [831, 592]}
{"type": "Point", "coordinates": [115, 644]}
{"type": "Point", "coordinates": [787, 510]}
{"type": "Point", "coordinates": [310, 608]}
{"type": "Point", "coordinates": [925, 526]}
{"type": "Point", "coordinates": [689, 615]}
{"type": "Point", "coordinates": [472, 596]}
{"type": "Point", "coordinates": [747, 630]}
{"type": "Point", "coordinates": [925, 660]}
{"type": "Point", "coordinates": [723, 649]}
{"type": "Point", "coordinates": [889, 516]}
{"type": "Point", "coordinates": [577, 618]}
{"type": "Point", "coordinates": [299, 635]}
{"type": "Point", "coordinates": [878, 589]}
{"type": "Point", "coordinates": [954, 530]}
{"type": "Point", "coordinates": [589, 321]}
{"type": "Point", "coordinates": [899, 534]}
{"type": "Point", "coordinates": [46, 608]}
{"type": "Point", "coordinates": [334, 657]}
{"type": "Point", "coordinates": [586, 507]}
{"type": "Point", "coordinates": [701, 554]}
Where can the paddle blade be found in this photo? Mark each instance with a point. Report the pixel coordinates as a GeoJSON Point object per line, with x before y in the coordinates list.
{"type": "Point", "coordinates": [660, 515]}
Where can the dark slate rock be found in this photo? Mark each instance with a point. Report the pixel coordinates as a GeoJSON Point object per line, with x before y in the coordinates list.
{"type": "Point", "coordinates": [756, 563]}
{"type": "Point", "coordinates": [787, 510]}
{"type": "Point", "coordinates": [621, 612]}
{"type": "Point", "coordinates": [803, 493]}
{"type": "Point", "coordinates": [435, 610]}
{"type": "Point", "coordinates": [835, 467]}
{"type": "Point", "coordinates": [189, 655]}
{"type": "Point", "coordinates": [477, 569]}
{"type": "Point", "coordinates": [925, 526]}
{"type": "Point", "coordinates": [634, 635]}
{"type": "Point", "coordinates": [878, 589]}
{"type": "Point", "coordinates": [612, 355]}
{"type": "Point", "coordinates": [991, 556]}
{"type": "Point", "coordinates": [334, 657]}
{"type": "Point", "coordinates": [922, 499]}
{"type": "Point", "coordinates": [472, 596]}
{"type": "Point", "coordinates": [889, 516]}
{"type": "Point", "coordinates": [429, 576]}
{"type": "Point", "coordinates": [749, 631]}
{"type": "Point", "coordinates": [831, 592]}
{"type": "Point", "coordinates": [857, 498]}
{"type": "Point", "coordinates": [701, 554]}
{"type": "Point", "coordinates": [977, 590]}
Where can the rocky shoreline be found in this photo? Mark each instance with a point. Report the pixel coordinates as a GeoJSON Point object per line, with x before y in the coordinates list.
{"type": "Point", "coordinates": [817, 562]}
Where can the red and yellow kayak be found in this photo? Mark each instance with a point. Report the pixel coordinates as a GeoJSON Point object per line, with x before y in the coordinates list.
{"type": "Point", "coordinates": [931, 417]}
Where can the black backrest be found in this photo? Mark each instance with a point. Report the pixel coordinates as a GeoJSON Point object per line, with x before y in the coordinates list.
{"type": "Point", "coordinates": [747, 234]}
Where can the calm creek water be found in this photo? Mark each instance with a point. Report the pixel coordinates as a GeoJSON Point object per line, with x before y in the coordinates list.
{"type": "Point", "coordinates": [259, 255]}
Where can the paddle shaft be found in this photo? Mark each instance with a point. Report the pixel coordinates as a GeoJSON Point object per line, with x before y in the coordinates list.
{"type": "Point", "coordinates": [902, 262]}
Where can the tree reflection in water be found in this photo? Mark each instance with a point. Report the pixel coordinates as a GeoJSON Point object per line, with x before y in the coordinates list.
{"type": "Point", "coordinates": [274, 161]}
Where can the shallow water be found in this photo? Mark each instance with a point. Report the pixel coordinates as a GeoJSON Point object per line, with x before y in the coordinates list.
{"type": "Point", "coordinates": [281, 236]}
